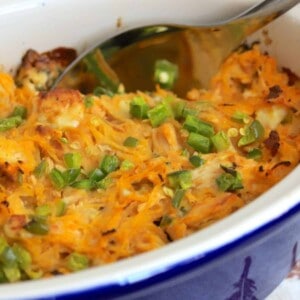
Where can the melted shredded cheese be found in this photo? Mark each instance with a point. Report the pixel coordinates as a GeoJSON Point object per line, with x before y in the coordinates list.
{"type": "Point", "coordinates": [135, 213]}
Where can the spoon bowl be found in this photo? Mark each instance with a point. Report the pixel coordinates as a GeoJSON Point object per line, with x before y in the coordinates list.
{"type": "Point", "coordinates": [197, 52]}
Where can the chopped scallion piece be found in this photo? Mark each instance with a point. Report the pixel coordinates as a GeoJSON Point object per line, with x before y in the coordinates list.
{"type": "Point", "coordinates": [37, 226]}
{"type": "Point", "coordinates": [9, 123]}
{"type": "Point", "coordinates": [193, 124]}
{"type": "Point", "coordinates": [12, 273]}
{"type": "Point", "coordinates": [199, 142]}
{"type": "Point", "coordinates": [40, 169]}
{"type": "Point", "coordinates": [240, 117]}
{"type": "Point", "coordinates": [3, 244]}
{"type": "Point", "coordinates": [8, 257]}
{"type": "Point", "coordinates": [255, 154]}
{"type": "Point", "coordinates": [84, 184]}
{"type": "Point", "coordinates": [23, 256]}
{"type": "Point", "coordinates": [196, 161]}
{"type": "Point", "coordinates": [71, 175]}
{"type": "Point", "coordinates": [64, 140]}
{"type": "Point", "coordinates": [2, 277]}
{"type": "Point", "coordinates": [19, 111]}
{"type": "Point", "coordinates": [229, 182]}
{"type": "Point", "coordinates": [77, 262]}
{"type": "Point", "coordinates": [221, 141]}
{"type": "Point", "coordinates": [178, 196]}
{"type": "Point", "coordinates": [165, 221]}
{"type": "Point", "coordinates": [73, 160]}
{"type": "Point", "coordinates": [100, 90]}
{"type": "Point", "coordinates": [165, 73]}
{"type": "Point", "coordinates": [180, 179]}
{"type": "Point", "coordinates": [96, 175]}
{"type": "Point", "coordinates": [43, 210]}
{"type": "Point", "coordinates": [126, 165]}
{"type": "Point", "coordinates": [131, 142]}
{"type": "Point", "coordinates": [159, 114]}
{"type": "Point", "coordinates": [139, 108]}
{"type": "Point", "coordinates": [60, 208]}
{"type": "Point", "coordinates": [109, 163]}
{"type": "Point", "coordinates": [104, 183]}
{"type": "Point", "coordinates": [57, 178]}
{"type": "Point", "coordinates": [253, 133]}
{"type": "Point", "coordinates": [88, 101]}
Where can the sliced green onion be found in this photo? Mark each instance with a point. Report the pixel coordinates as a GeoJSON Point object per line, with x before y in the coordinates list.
{"type": "Point", "coordinates": [159, 114]}
{"type": "Point", "coordinates": [43, 210]}
{"type": "Point", "coordinates": [178, 109]}
{"type": "Point", "coordinates": [221, 141]}
{"type": "Point", "coordinates": [57, 178]}
{"type": "Point", "coordinates": [109, 163]}
{"type": "Point", "coordinates": [64, 140]}
{"type": "Point", "coordinates": [240, 117]}
{"type": "Point", "coordinates": [2, 277]}
{"type": "Point", "coordinates": [196, 161]}
{"type": "Point", "coordinates": [100, 90]}
{"type": "Point", "coordinates": [255, 154]}
{"type": "Point", "coordinates": [165, 221]}
{"type": "Point", "coordinates": [19, 111]}
{"type": "Point", "coordinates": [71, 175]}
{"type": "Point", "coordinates": [73, 160]}
{"type": "Point", "coordinates": [96, 175]}
{"type": "Point", "coordinates": [77, 262]}
{"type": "Point", "coordinates": [37, 226]}
{"type": "Point", "coordinates": [104, 183]}
{"type": "Point", "coordinates": [165, 73]}
{"type": "Point", "coordinates": [60, 208]}
{"type": "Point", "coordinates": [33, 274]}
{"type": "Point", "coordinates": [126, 165]}
{"type": "Point", "coordinates": [139, 108]}
{"type": "Point", "coordinates": [131, 142]}
{"type": "Point", "coordinates": [3, 244]}
{"type": "Point", "coordinates": [40, 169]}
{"type": "Point", "coordinates": [193, 124]}
{"type": "Point", "coordinates": [8, 257]}
{"type": "Point", "coordinates": [253, 133]}
{"type": "Point", "coordinates": [178, 196]}
{"type": "Point", "coordinates": [84, 184]}
{"type": "Point", "coordinates": [88, 101]}
{"type": "Point", "coordinates": [185, 153]}
{"type": "Point", "coordinates": [12, 273]}
{"type": "Point", "coordinates": [9, 123]}
{"type": "Point", "coordinates": [229, 182]}
{"type": "Point", "coordinates": [23, 256]}
{"type": "Point", "coordinates": [180, 179]}
{"type": "Point", "coordinates": [199, 142]}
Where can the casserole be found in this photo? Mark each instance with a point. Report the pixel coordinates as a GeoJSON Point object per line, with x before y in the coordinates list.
{"type": "Point", "coordinates": [251, 235]}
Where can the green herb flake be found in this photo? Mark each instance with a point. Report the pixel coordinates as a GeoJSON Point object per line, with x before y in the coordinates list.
{"type": "Point", "coordinates": [220, 141]}
{"type": "Point", "coordinates": [139, 108]}
{"type": "Point", "coordinates": [77, 262]}
{"type": "Point", "coordinates": [88, 101]}
{"type": "Point", "coordinates": [178, 196]}
{"type": "Point", "coordinates": [255, 154]}
{"type": "Point", "coordinates": [180, 179]}
{"type": "Point", "coordinates": [199, 142]}
{"type": "Point", "coordinates": [130, 142]}
{"type": "Point", "coordinates": [196, 161]}
{"type": "Point", "coordinates": [159, 114]}
{"type": "Point", "coordinates": [109, 163]}
{"type": "Point", "coordinates": [165, 73]}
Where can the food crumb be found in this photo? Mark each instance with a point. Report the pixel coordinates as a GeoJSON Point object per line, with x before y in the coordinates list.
{"type": "Point", "coordinates": [119, 22]}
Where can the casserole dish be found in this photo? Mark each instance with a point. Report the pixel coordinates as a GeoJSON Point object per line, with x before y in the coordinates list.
{"type": "Point", "coordinates": [235, 258]}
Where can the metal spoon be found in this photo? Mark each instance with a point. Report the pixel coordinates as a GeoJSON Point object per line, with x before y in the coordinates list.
{"type": "Point", "coordinates": [129, 57]}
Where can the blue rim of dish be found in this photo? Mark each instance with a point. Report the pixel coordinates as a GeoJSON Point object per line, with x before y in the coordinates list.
{"type": "Point", "coordinates": [181, 268]}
